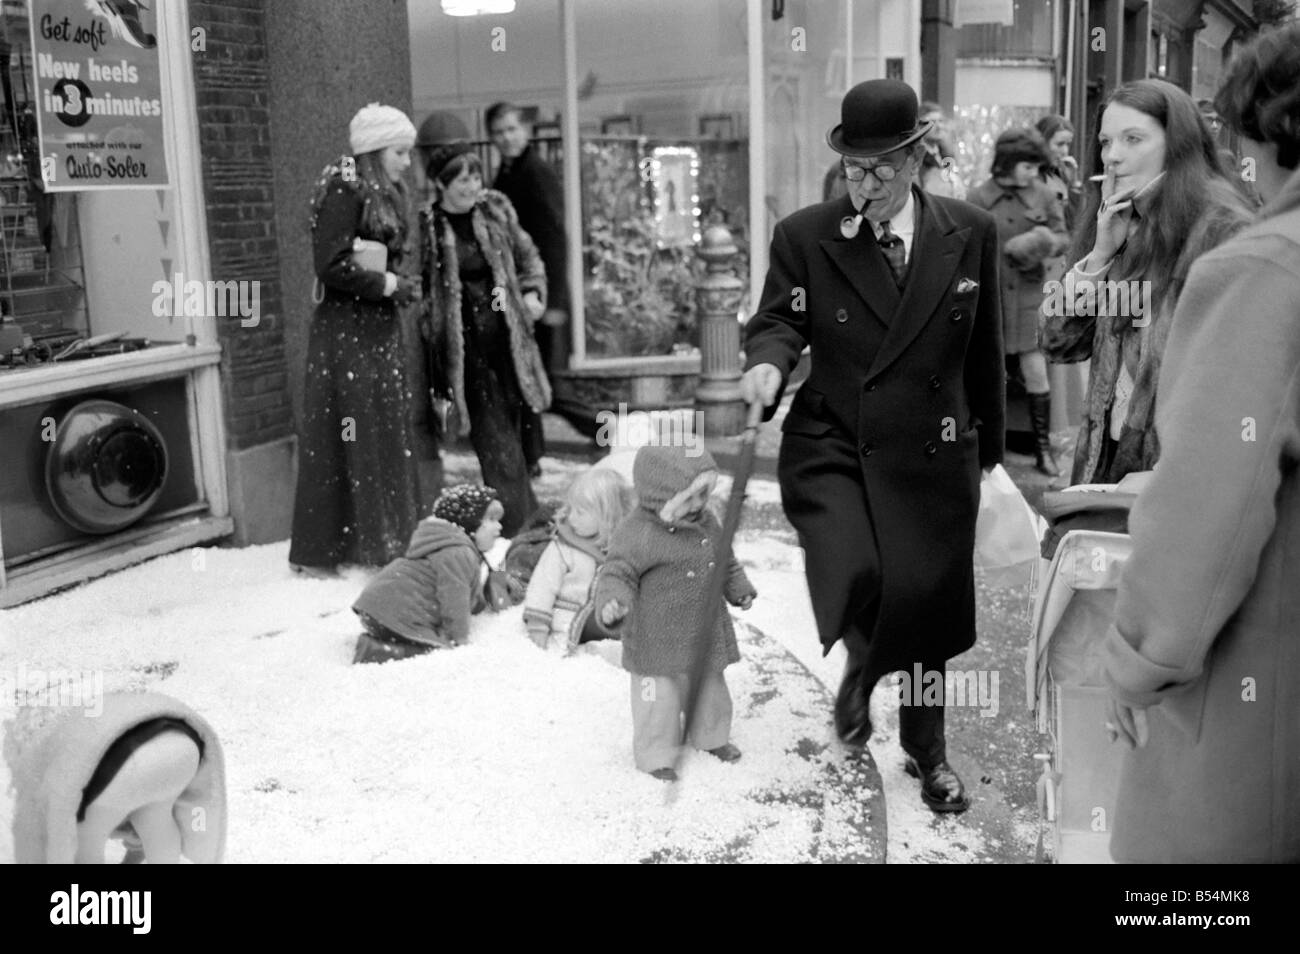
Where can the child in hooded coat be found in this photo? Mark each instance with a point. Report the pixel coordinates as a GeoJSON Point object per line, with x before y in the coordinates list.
{"type": "Point", "coordinates": [653, 591]}
{"type": "Point", "coordinates": [424, 600]}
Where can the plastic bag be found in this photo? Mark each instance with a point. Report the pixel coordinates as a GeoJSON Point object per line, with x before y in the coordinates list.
{"type": "Point", "coordinates": [1007, 532]}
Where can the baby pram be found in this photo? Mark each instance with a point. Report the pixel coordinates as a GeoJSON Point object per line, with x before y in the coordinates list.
{"type": "Point", "coordinates": [1084, 553]}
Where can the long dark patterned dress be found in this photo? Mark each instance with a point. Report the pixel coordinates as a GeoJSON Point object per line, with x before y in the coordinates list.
{"type": "Point", "coordinates": [496, 404]}
{"type": "Point", "coordinates": [358, 492]}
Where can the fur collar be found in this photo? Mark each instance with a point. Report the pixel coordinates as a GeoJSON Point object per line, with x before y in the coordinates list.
{"type": "Point", "coordinates": [674, 507]}
{"type": "Point", "coordinates": [502, 241]}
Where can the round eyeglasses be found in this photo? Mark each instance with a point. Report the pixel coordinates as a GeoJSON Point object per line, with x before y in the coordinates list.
{"type": "Point", "coordinates": [882, 171]}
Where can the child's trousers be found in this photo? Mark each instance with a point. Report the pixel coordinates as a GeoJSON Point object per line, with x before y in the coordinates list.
{"type": "Point", "coordinates": [658, 707]}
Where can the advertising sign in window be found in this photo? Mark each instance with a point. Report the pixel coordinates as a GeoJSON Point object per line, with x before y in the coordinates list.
{"type": "Point", "coordinates": [98, 94]}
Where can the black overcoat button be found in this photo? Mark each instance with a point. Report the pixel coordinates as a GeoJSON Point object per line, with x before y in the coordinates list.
{"type": "Point", "coordinates": [930, 449]}
{"type": "Point", "coordinates": [956, 315]}
{"type": "Point", "coordinates": [841, 315]}
{"type": "Point", "coordinates": [866, 450]}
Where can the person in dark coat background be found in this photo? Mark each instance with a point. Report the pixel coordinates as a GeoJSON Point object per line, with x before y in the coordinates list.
{"type": "Point", "coordinates": [884, 443]}
{"type": "Point", "coordinates": [484, 286]}
{"type": "Point", "coordinates": [358, 496]}
{"type": "Point", "coordinates": [534, 189]}
{"type": "Point", "coordinates": [1031, 230]}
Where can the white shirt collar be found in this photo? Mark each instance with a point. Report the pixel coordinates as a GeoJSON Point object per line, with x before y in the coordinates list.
{"type": "Point", "coordinates": [903, 223]}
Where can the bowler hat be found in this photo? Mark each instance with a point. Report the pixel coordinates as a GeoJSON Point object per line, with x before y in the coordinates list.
{"type": "Point", "coordinates": [877, 117]}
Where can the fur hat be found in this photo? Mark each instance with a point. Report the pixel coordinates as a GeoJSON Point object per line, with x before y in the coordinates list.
{"type": "Point", "coordinates": [464, 505]}
{"type": "Point", "coordinates": [664, 476]}
{"type": "Point", "coordinates": [1019, 145]}
{"type": "Point", "coordinates": [375, 127]}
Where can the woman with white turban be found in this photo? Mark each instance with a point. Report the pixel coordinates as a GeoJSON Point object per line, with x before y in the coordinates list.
{"type": "Point", "coordinates": [358, 489]}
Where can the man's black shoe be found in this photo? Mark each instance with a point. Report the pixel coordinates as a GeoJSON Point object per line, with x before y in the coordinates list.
{"type": "Point", "coordinates": [941, 787]}
{"type": "Point", "coordinates": [853, 712]}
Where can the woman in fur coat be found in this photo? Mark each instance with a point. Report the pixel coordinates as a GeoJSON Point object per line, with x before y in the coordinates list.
{"type": "Point", "coordinates": [484, 287]}
{"type": "Point", "coordinates": [358, 495]}
{"type": "Point", "coordinates": [1165, 201]}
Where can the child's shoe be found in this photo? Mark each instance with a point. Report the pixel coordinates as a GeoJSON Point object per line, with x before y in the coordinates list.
{"type": "Point", "coordinates": [665, 775]}
{"type": "Point", "coordinates": [372, 649]}
{"type": "Point", "coordinates": [727, 753]}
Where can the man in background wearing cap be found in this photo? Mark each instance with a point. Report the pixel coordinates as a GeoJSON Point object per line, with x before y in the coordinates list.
{"type": "Point", "coordinates": [896, 292]}
{"type": "Point", "coordinates": [534, 189]}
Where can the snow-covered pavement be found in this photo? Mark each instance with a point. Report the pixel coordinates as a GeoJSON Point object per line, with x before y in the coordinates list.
{"type": "Point", "coordinates": [497, 751]}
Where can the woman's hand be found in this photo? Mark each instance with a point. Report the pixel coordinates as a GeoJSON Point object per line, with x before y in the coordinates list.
{"type": "Point", "coordinates": [1128, 724]}
{"type": "Point", "coordinates": [1071, 168]}
{"type": "Point", "coordinates": [1112, 223]}
{"type": "Point", "coordinates": [407, 291]}
{"type": "Point", "coordinates": [533, 305]}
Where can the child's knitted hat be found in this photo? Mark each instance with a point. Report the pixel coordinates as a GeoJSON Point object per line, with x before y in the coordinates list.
{"type": "Point", "coordinates": [464, 505]}
{"type": "Point", "coordinates": [664, 474]}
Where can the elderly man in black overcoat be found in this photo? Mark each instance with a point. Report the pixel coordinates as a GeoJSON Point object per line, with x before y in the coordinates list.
{"type": "Point", "coordinates": [896, 293]}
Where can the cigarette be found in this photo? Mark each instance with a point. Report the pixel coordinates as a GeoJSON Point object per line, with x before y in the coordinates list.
{"type": "Point", "coordinates": [1100, 178]}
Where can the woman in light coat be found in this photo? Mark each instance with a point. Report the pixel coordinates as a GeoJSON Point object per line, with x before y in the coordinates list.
{"type": "Point", "coordinates": [1204, 660]}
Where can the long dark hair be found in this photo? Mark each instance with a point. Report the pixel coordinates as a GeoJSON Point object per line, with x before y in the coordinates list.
{"type": "Point", "coordinates": [1194, 182]}
{"type": "Point", "coordinates": [1051, 124]}
{"type": "Point", "coordinates": [387, 203]}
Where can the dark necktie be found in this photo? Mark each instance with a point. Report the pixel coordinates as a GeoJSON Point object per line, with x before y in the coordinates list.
{"type": "Point", "coordinates": [895, 253]}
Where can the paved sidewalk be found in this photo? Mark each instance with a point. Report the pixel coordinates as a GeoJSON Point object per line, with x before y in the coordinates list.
{"type": "Point", "coordinates": [993, 751]}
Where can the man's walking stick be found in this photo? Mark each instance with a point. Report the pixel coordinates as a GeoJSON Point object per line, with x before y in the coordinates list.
{"type": "Point", "coordinates": [714, 602]}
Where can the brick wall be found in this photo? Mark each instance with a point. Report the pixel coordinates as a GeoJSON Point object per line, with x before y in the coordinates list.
{"type": "Point", "coordinates": [232, 94]}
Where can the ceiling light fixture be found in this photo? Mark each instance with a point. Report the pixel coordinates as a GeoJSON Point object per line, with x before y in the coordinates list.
{"type": "Point", "coordinates": [474, 8]}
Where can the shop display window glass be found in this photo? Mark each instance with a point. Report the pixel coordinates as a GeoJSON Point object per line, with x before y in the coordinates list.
{"type": "Point", "coordinates": [79, 271]}
{"type": "Point", "coordinates": [663, 137]}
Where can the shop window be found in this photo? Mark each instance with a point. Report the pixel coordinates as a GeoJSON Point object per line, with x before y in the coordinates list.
{"type": "Point", "coordinates": [42, 279]}
{"type": "Point", "coordinates": [664, 82]}
{"type": "Point", "coordinates": [79, 271]}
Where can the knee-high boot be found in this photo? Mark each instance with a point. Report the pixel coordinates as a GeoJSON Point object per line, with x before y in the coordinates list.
{"type": "Point", "coordinates": [1040, 420]}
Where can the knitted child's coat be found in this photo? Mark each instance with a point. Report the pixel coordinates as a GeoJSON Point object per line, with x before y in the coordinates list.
{"type": "Point", "coordinates": [659, 566]}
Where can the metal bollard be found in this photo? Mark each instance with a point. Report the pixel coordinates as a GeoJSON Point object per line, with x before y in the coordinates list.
{"type": "Point", "coordinates": [717, 300]}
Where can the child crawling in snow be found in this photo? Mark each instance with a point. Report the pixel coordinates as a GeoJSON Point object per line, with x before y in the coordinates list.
{"type": "Point", "coordinates": [559, 590]}
{"type": "Point", "coordinates": [423, 600]}
{"type": "Point", "coordinates": [653, 590]}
